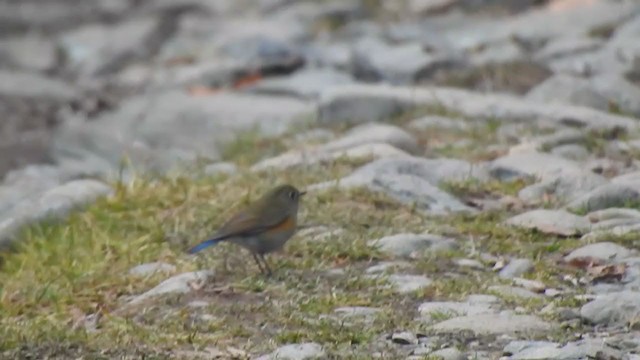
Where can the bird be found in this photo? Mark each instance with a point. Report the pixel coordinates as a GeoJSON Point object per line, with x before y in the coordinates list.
{"type": "Point", "coordinates": [262, 227]}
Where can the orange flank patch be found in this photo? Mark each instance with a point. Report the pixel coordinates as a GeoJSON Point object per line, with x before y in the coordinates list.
{"type": "Point", "coordinates": [286, 225]}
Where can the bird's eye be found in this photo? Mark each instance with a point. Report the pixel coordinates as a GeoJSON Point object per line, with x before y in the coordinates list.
{"type": "Point", "coordinates": [293, 195]}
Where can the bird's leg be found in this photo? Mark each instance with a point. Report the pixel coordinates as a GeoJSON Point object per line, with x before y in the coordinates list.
{"type": "Point", "coordinates": [266, 264]}
{"type": "Point", "coordinates": [257, 259]}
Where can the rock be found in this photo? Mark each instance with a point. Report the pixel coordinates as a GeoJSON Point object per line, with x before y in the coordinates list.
{"type": "Point", "coordinates": [557, 222]}
{"type": "Point", "coordinates": [434, 310]}
{"type": "Point", "coordinates": [375, 133]}
{"type": "Point", "coordinates": [221, 168]}
{"type": "Point", "coordinates": [309, 83]}
{"type": "Point", "coordinates": [203, 73]}
{"type": "Point", "coordinates": [495, 324]}
{"type": "Point", "coordinates": [356, 311]}
{"type": "Point", "coordinates": [568, 45]}
{"type": "Point", "coordinates": [405, 284]}
{"type": "Point", "coordinates": [469, 263]}
{"type": "Point", "coordinates": [518, 347]}
{"type": "Point", "coordinates": [612, 309]}
{"type": "Point", "coordinates": [571, 151]}
{"type": "Point", "coordinates": [28, 183]}
{"type": "Point", "coordinates": [437, 122]}
{"type": "Point", "coordinates": [368, 140]}
{"type": "Point", "coordinates": [582, 349]}
{"type": "Point", "coordinates": [313, 136]}
{"type": "Point", "coordinates": [151, 268]}
{"type": "Point", "coordinates": [602, 250]}
{"type": "Point", "coordinates": [31, 52]}
{"type": "Point", "coordinates": [179, 284]}
{"type": "Point", "coordinates": [435, 171]}
{"type": "Point", "coordinates": [619, 92]}
{"type": "Point", "coordinates": [365, 103]}
{"type": "Point", "coordinates": [531, 164]}
{"type": "Point", "coordinates": [565, 186]}
{"type": "Point", "coordinates": [409, 189]}
{"type": "Point", "coordinates": [560, 137]}
{"type": "Point", "coordinates": [387, 266]}
{"type": "Point", "coordinates": [613, 214]}
{"type": "Point", "coordinates": [176, 129]}
{"type": "Point", "coordinates": [532, 285]}
{"type": "Point", "coordinates": [397, 64]}
{"type": "Point", "coordinates": [532, 350]}
{"type": "Point", "coordinates": [296, 352]}
{"type": "Point", "coordinates": [429, 6]}
{"type": "Point", "coordinates": [498, 53]}
{"type": "Point", "coordinates": [96, 49]}
{"type": "Point", "coordinates": [568, 89]}
{"type": "Point", "coordinates": [482, 299]}
{"type": "Point", "coordinates": [514, 292]}
{"type": "Point", "coordinates": [319, 155]}
{"type": "Point", "coordinates": [612, 224]}
{"type": "Point", "coordinates": [409, 180]}
{"type": "Point", "coordinates": [34, 86]}
{"type": "Point", "coordinates": [448, 354]}
{"type": "Point", "coordinates": [404, 338]}
{"type": "Point", "coordinates": [605, 196]}
{"type": "Point", "coordinates": [404, 245]}
{"type": "Point", "coordinates": [54, 204]}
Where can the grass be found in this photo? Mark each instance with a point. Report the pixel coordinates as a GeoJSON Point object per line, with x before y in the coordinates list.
{"type": "Point", "coordinates": [67, 271]}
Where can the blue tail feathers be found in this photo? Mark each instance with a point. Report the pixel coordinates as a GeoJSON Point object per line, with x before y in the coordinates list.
{"type": "Point", "coordinates": [203, 245]}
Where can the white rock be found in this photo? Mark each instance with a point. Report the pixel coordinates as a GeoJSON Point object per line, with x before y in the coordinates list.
{"type": "Point", "coordinates": [404, 245]}
{"type": "Point", "coordinates": [180, 284]}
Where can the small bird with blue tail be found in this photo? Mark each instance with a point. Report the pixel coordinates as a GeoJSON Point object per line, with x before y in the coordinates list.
{"type": "Point", "coordinates": [263, 227]}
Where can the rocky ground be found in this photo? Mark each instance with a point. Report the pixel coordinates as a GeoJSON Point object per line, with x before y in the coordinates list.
{"type": "Point", "coordinates": [472, 168]}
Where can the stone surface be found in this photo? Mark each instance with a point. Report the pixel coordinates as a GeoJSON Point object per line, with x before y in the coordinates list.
{"type": "Point", "coordinates": [514, 292]}
{"type": "Point", "coordinates": [296, 352]}
{"type": "Point", "coordinates": [54, 204]}
{"type": "Point", "coordinates": [97, 49]}
{"type": "Point", "coordinates": [160, 132]}
{"type": "Point", "coordinates": [437, 122]}
{"type": "Point", "coordinates": [221, 168]}
{"type": "Point", "coordinates": [356, 311]}
{"type": "Point", "coordinates": [571, 151]}
{"type": "Point", "coordinates": [605, 196]}
{"type": "Point", "coordinates": [565, 186]}
{"type": "Point", "coordinates": [611, 309]}
{"type": "Point", "coordinates": [179, 284]}
{"type": "Point", "coordinates": [582, 349]}
{"type": "Point", "coordinates": [375, 133]}
{"type": "Point", "coordinates": [308, 83]}
{"type": "Point", "coordinates": [404, 245]}
{"type": "Point", "coordinates": [404, 338]}
{"type": "Point", "coordinates": [151, 268]}
{"type": "Point", "coordinates": [364, 103]}
{"type": "Point", "coordinates": [34, 86]}
{"type": "Point", "coordinates": [317, 156]}
{"type": "Point", "coordinates": [569, 90]}
{"type": "Point", "coordinates": [31, 52]}
{"type": "Point", "coordinates": [557, 222]}
{"type": "Point", "coordinates": [396, 64]}
{"type": "Point", "coordinates": [533, 164]}
{"type": "Point", "coordinates": [498, 324]}
{"type": "Point", "coordinates": [602, 250]}
{"type": "Point", "coordinates": [450, 353]}
{"type": "Point", "coordinates": [433, 310]}
{"type": "Point", "coordinates": [410, 179]}
{"type": "Point", "coordinates": [515, 268]}
{"type": "Point", "coordinates": [404, 284]}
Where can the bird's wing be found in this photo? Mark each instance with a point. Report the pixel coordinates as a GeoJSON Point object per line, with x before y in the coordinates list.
{"type": "Point", "coordinates": [247, 223]}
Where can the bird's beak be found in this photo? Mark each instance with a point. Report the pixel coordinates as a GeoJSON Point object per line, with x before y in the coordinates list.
{"type": "Point", "coordinates": [302, 193]}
